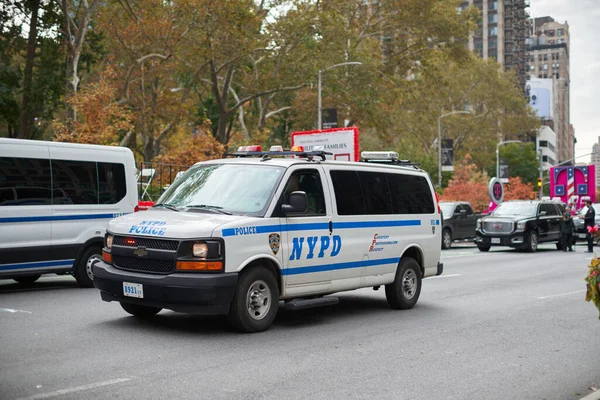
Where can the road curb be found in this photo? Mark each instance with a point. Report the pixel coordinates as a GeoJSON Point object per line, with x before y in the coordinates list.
{"type": "Point", "coordinates": [592, 396]}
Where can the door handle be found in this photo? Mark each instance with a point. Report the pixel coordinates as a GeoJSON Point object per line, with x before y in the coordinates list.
{"type": "Point", "coordinates": [330, 227]}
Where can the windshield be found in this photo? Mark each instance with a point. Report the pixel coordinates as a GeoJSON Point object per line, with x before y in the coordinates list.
{"type": "Point", "coordinates": [447, 209]}
{"type": "Point", "coordinates": [512, 209]}
{"type": "Point", "coordinates": [584, 209]}
{"type": "Point", "coordinates": [233, 188]}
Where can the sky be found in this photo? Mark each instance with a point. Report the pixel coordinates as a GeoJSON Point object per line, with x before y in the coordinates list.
{"type": "Point", "coordinates": [583, 17]}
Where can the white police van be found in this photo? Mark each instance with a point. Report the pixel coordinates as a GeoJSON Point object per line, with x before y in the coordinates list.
{"type": "Point", "coordinates": [55, 203]}
{"type": "Point", "coordinates": [235, 236]}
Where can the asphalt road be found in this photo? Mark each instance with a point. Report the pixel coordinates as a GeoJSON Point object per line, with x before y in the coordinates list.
{"type": "Point", "coordinates": [498, 325]}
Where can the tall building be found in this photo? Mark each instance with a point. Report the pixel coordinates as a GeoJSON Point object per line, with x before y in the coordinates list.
{"type": "Point", "coordinates": [596, 161]}
{"type": "Point", "coordinates": [548, 59]}
{"type": "Point", "coordinates": [501, 33]}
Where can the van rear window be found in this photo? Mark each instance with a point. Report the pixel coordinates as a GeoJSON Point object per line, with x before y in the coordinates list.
{"type": "Point", "coordinates": [375, 193]}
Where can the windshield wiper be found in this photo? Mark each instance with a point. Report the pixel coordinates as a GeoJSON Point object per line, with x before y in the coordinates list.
{"type": "Point", "coordinates": [216, 209]}
{"type": "Point", "coordinates": [169, 206]}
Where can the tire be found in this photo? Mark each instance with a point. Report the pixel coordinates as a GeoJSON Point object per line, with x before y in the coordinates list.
{"type": "Point", "coordinates": [446, 239]}
{"type": "Point", "coordinates": [83, 269]}
{"type": "Point", "coordinates": [140, 311]}
{"type": "Point", "coordinates": [255, 301]}
{"type": "Point", "coordinates": [483, 248]}
{"type": "Point", "coordinates": [403, 293]}
{"type": "Point", "coordinates": [27, 280]}
{"type": "Point", "coordinates": [532, 242]}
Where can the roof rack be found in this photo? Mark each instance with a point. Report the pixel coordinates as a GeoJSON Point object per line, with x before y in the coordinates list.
{"type": "Point", "coordinates": [386, 157]}
{"type": "Point", "coordinates": [266, 155]}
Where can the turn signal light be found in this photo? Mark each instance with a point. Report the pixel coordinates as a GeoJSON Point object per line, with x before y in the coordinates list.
{"type": "Point", "coordinates": [199, 266]}
{"type": "Point", "coordinates": [106, 257]}
{"type": "Point", "coordinates": [297, 148]}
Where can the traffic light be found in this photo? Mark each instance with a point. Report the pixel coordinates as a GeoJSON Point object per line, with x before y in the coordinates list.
{"type": "Point", "coordinates": [540, 183]}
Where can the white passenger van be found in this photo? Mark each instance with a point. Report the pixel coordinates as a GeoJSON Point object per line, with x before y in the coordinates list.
{"type": "Point", "coordinates": [55, 203]}
{"type": "Point", "coordinates": [237, 236]}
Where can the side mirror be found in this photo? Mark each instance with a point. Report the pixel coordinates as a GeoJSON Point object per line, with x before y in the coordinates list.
{"type": "Point", "coordinates": [542, 213]}
{"type": "Point", "coordinates": [463, 213]}
{"type": "Point", "coordinates": [298, 204]}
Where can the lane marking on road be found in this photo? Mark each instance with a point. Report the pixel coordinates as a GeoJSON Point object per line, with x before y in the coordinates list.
{"type": "Point", "coordinates": [562, 294]}
{"type": "Point", "coordinates": [443, 276]}
{"type": "Point", "coordinates": [76, 389]}
{"type": "Point", "coordinates": [12, 311]}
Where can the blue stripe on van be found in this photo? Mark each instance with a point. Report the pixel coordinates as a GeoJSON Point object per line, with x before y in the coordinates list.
{"type": "Point", "coordinates": [325, 226]}
{"type": "Point", "coordinates": [58, 218]}
{"type": "Point", "coordinates": [337, 266]}
{"type": "Point", "coordinates": [38, 264]}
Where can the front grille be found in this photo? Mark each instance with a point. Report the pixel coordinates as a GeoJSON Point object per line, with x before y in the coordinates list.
{"type": "Point", "coordinates": [497, 227]}
{"type": "Point", "coordinates": [158, 244]}
{"type": "Point", "coordinates": [143, 265]}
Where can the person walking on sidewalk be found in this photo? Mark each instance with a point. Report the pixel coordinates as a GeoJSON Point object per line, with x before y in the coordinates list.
{"type": "Point", "coordinates": [566, 229]}
{"type": "Point", "coordinates": [590, 220]}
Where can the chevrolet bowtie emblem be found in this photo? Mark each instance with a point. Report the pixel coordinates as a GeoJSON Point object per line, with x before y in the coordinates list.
{"type": "Point", "coordinates": [141, 252]}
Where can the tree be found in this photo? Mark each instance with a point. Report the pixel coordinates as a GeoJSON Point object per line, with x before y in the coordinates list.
{"type": "Point", "coordinates": [27, 114]}
{"type": "Point", "coordinates": [468, 184]}
{"type": "Point", "coordinates": [515, 189]}
{"type": "Point", "coordinates": [522, 161]}
{"type": "Point", "coordinates": [77, 15]}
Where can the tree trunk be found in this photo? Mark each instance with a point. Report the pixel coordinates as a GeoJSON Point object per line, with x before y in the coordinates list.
{"type": "Point", "coordinates": [27, 115]}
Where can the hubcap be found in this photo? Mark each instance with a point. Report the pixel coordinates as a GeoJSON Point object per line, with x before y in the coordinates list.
{"type": "Point", "coordinates": [534, 241]}
{"type": "Point", "coordinates": [409, 284]}
{"type": "Point", "coordinates": [94, 258]}
{"type": "Point", "coordinates": [447, 239]}
{"type": "Point", "coordinates": [258, 301]}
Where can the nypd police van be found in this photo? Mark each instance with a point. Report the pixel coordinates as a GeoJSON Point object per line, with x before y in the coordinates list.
{"type": "Point", "coordinates": [238, 236]}
{"type": "Point", "coordinates": [55, 203]}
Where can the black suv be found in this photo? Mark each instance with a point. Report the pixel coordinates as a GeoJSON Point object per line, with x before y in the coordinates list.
{"type": "Point", "coordinates": [521, 225]}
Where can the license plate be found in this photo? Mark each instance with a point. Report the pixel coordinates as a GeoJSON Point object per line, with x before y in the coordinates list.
{"type": "Point", "coordinates": [496, 240]}
{"type": "Point", "coordinates": [582, 236]}
{"type": "Point", "coordinates": [133, 290]}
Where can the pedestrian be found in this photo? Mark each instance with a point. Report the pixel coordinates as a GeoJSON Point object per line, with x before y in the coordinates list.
{"type": "Point", "coordinates": [566, 229]}
{"type": "Point", "coordinates": [589, 220]}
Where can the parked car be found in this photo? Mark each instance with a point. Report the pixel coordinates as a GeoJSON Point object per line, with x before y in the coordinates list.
{"type": "Point", "coordinates": [580, 229]}
{"type": "Point", "coordinates": [521, 225]}
{"type": "Point", "coordinates": [459, 222]}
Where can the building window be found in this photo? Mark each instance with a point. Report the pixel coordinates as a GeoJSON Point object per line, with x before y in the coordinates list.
{"type": "Point", "coordinates": [539, 57]}
{"type": "Point", "coordinates": [557, 75]}
{"type": "Point", "coordinates": [560, 32]}
{"type": "Point", "coordinates": [545, 76]}
{"type": "Point", "coordinates": [532, 67]}
{"type": "Point", "coordinates": [493, 53]}
{"type": "Point", "coordinates": [492, 44]}
{"type": "Point", "coordinates": [492, 18]}
{"type": "Point", "coordinates": [531, 58]}
{"type": "Point", "coordinates": [493, 5]}
{"type": "Point", "coordinates": [550, 41]}
{"type": "Point", "coordinates": [493, 31]}
{"type": "Point", "coordinates": [550, 32]}
{"type": "Point", "coordinates": [478, 44]}
{"type": "Point", "coordinates": [545, 57]}
{"type": "Point", "coordinates": [557, 56]}
{"type": "Point", "coordinates": [543, 143]}
{"type": "Point", "coordinates": [540, 76]}
{"type": "Point", "coordinates": [545, 67]}
{"type": "Point", "coordinates": [560, 41]}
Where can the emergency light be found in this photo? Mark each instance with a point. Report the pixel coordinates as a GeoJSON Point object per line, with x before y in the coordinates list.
{"type": "Point", "coordinates": [249, 148]}
{"type": "Point", "coordinates": [276, 148]}
{"type": "Point", "coordinates": [379, 155]}
{"type": "Point", "coordinates": [297, 148]}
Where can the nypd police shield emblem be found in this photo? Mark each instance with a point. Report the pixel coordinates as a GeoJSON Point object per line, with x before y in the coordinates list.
{"type": "Point", "coordinates": [274, 242]}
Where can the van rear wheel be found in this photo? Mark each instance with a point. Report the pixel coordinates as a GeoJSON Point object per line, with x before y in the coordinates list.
{"type": "Point", "coordinates": [83, 269]}
{"type": "Point", "coordinates": [255, 301]}
{"type": "Point", "coordinates": [27, 280]}
{"type": "Point", "coordinates": [403, 293]}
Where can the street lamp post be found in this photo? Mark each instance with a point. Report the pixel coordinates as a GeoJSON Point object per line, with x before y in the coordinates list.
{"type": "Point", "coordinates": [320, 122]}
{"type": "Point", "coordinates": [439, 139]}
{"type": "Point", "coordinates": [498, 154]}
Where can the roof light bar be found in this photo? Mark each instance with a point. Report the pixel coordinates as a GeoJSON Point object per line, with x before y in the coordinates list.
{"type": "Point", "coordinates": [379, 155]}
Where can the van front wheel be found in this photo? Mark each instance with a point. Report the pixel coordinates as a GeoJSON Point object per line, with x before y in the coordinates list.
{"type": "Point", "coordinates": [83, 269]}
{"type": "Point", "coordinates": [404, 292]}
{"type": "Point", "coordinates": [255, 301]}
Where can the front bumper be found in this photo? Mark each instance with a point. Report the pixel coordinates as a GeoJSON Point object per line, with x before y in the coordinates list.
{"type": "Point", "coordinates": [515, 239]}
{"type": "Point", "coordinates": [206, 294]}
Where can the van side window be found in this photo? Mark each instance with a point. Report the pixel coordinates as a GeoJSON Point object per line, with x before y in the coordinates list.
{"type": "Point", "coordinates": [112, 186]}
{"type": "Point", "coordinates": [307, 181]}
{"type": "Point", "coordinates": [375, 192]}
{"type": "Point", "coordinates": [348, 195]}
{"type": "Point", "coordinates": [74, 182]}
{"type": "Point", "coordinates": [411, 194]}
{"type": "Point", "coordinates": [24, 181]}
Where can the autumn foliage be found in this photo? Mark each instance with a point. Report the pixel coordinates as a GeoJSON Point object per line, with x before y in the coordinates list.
{"type": "Point", "coordinates": [186, 150]}
{"type": "Point", "coordinates": [101, 119]}
{"type": "Point", "coordinates": [515, 189]}
{"type": "Point", "coordinates": [468, 184]}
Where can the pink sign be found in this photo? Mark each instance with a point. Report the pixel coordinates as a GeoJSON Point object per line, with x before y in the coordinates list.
{"type": "Point", "coordinates": [573, 184]}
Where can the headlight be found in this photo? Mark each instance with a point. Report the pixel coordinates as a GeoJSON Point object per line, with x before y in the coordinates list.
{"type": "Point", "coordinates": [478, 224]}
{"type": "Point", "coordinates": [521, 225]}
{"type": "Point", "coordinates": [200, 249]}
{"type": "Point", "coordinates": [109, 240]}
